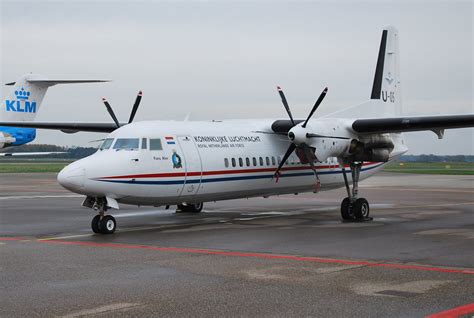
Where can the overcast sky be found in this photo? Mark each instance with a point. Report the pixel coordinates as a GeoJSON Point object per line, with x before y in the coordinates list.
{"type": "Point", "coordinates": [223, 59]}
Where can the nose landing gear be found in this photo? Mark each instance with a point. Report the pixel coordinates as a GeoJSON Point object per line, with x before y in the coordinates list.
{"type": "Point", "coordinates": [101, 223]}
{"type": "Point", "coordinates": [353, 208]}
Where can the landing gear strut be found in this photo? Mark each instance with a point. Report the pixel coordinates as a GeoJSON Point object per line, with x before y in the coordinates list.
{"type": "Point", "coordinates": [354, 208]}
{"type": "Point", "coordinates": [101, 223]}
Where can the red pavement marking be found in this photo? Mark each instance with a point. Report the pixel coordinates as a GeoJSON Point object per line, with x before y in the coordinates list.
{"type": "Point", "coordinates": [455, 312]}
{"type": "Point", "coordinates": [11, 238]}
{"type": "Point", "coordinates": [265, 256]}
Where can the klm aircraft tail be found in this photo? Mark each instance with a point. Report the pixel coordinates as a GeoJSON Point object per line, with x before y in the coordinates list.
{"type": "Point", "coordinates": [28, 92]}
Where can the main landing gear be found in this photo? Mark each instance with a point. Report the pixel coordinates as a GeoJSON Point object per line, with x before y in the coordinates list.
{"type": "Point", "coordinates": [101, 223]}
{"type": "Point", "coordinates": [189, 208]}
{"type": "Point", "coordinates": [353, 208]}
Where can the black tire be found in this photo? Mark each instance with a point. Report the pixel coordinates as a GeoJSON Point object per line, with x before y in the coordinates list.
{"type": "Point", "coordinates": [190, 208]}
{"type": "Point", "coordinates": [361, 208]}
{"type": "Point", "coordinates": [107, 225]}
{"type": "Point", "coordinates": [95, 224]}
{"type": "Point", "coordinates": [346, 209]}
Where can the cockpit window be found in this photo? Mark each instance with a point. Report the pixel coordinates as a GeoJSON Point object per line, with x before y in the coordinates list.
{"type": "Point", "coordinates": [127, 143]}
{"type": "Point", "coordinates": [106, 144]}
{"type": "Point", "coordinates": [155, 144]}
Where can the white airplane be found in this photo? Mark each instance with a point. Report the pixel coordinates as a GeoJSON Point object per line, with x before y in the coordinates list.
{"type": "Point", "coordinates": [187, 163]}
{"type": "Point", "coordinates": [23, 104]}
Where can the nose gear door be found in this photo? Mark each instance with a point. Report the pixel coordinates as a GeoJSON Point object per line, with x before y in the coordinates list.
{"type": "Point", "coordinates": [192, 164]}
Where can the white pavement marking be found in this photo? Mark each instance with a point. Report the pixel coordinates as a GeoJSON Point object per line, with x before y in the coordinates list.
{"type": "Point", "coordinates": [21, 197]}
{"type": "Point", "coordinates": [102, 309]}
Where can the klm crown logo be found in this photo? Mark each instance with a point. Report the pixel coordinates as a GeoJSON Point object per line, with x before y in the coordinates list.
{"type": "Point", "coordinates": [22, 103]}
{"type": "Point", "coordinates": [22, 94]}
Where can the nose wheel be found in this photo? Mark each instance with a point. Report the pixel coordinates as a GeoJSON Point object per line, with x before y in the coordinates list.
{"type": "Point", "coordinates": [353, 208]}
{"type": "Point", "coordinates": [103, 225]}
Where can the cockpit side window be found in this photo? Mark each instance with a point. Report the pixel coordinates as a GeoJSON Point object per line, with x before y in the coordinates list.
{"type": "Point", "coordinates": [155, 144]}
{"type": "Point", "coordinates": [127, 143]}
{"type": "Point", "coordinates": [106, 144]}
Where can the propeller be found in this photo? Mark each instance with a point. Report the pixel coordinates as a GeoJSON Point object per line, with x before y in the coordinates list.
{"type": "Point", "coordinates": [135, 106]}
{"type": "Point", "coordinates": [302, 148]}
{"type": "Point", "coordinates": [132, 114]}
{"type": "Point", "coordinates": [111, 112]}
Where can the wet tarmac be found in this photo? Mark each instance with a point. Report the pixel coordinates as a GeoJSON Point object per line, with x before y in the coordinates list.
{"type": "Point", "coordinates": [281, 256]}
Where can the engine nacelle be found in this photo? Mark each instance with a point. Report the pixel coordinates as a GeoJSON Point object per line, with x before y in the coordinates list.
{"type": "Point", "coordinates": [330, 147]}
{"type": "Point", "coordinates": [6, 140]}
{"type": "Point", "coordinates": [375, 148]}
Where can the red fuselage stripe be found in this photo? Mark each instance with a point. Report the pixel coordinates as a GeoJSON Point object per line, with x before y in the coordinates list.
{"type": "Point", "coordinates": [219, 172]}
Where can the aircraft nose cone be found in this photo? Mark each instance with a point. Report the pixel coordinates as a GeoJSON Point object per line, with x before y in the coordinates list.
{"type": "Point", "coordinates": [72, 178]}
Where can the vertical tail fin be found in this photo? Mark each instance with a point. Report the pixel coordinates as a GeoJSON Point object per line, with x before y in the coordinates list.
{"type": "Point", "coordinates": [386, 87]}
{"type": "Point", "coordinates": [28, 92]}
{"type": "Point", "coordinates": [24, 101]}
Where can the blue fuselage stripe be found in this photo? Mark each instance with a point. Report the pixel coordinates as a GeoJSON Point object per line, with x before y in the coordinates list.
{"type": "Point", "coordinates": [223, 179]}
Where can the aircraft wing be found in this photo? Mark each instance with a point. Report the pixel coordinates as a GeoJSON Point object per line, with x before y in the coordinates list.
{"type": "Point", "coordinates": [402, 124]}
{"type": "Point", "coordinates": [18, 154]}
{"type": "Point", "coordinates": [65, 126]}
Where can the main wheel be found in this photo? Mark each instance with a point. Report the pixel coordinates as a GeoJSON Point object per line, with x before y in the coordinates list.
{"type": "Point", "coordinates": [95, 224]}
{"type": "Point", "coordinates": [361, 208]}
{"type": "Point", "coordinates": [191, 208]}
{"type": "Point", "coordinates": [107, 225]}
{"type": "Point", "coordinates": [347, 210]}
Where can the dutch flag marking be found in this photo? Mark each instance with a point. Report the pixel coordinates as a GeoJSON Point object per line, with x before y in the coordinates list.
{"type": "Point", "coordinates": [170, 140]}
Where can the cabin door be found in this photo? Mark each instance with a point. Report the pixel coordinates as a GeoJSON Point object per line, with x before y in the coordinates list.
{"type": "Point", "coordinates": [192, 164]}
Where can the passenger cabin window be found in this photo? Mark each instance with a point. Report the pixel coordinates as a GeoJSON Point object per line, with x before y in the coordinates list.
{"type": "Point", "coordinates": [144, 143]}
{"type": "Point", "coordinates": [233, 162]}
{"type": "Point", "coordinates": [254, 160]}
{"type": "Point", "coordinates": [247, 161]}
{"type": "Point", "coordinates": [127, 143]}
{"type": "Point", "coordinates": [241, 162]}
{"type": "Point", "coordinates": [106, 144]}
{"type": "Point", "coordinates": [267, 160]}
{"type": "Point", "coordinates": [261, 160]}
{"type": "Point", "coordinates": [155, 144]}
{"type": "Point", "coordinates": [226, 162]}
{"type": "Point", "coordinates": [273, 161]}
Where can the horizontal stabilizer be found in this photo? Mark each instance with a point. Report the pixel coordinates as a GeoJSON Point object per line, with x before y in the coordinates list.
{"type": "Point", "coordinates": [51, 82]}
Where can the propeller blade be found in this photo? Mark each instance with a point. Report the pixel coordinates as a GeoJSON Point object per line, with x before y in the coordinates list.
{"type": "Point", "coordinates": [284, 159]}
{"type": "Point", "coordinates": [285, 103]}
{"type": "Point", "coordinates": [111, 112]}
{"type": "Point", "coordinates": [135, 107]}
{"type": "Point", "coordinates": [310, 135]}
{"type": "Point", "coordinates": [316, 105]}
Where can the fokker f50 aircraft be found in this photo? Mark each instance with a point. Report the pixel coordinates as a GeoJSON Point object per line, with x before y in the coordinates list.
{"type": "Point", "coordinates": [23, 104]}
{"type": "Point", "coordinates": [188, 163]}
